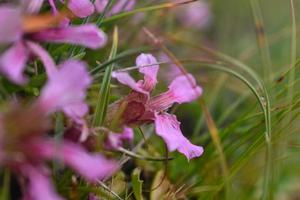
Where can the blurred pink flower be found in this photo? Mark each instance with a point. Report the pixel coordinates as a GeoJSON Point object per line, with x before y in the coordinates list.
{"type": "Point", "coordinates": [65, 90]}
{"type": "Point", "coordinates": [140, 107]}
{"type": "Point", "coordinates": [25, 146]}
{"type": "Point", "coordinates": [13, 60]}
{"type": "Point", "coordinates": [196, 14]}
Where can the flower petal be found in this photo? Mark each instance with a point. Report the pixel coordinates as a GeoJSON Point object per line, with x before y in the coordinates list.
{"type": "Point", "coordinates": [100, 5]}
{"type": "Point", "coordinates": [148, 67]}
{"type": "Point", "coordinates": [92, 167]}
{"type": "Point", "coordinates": [48, 62]}
{"type": "Point", "coordinates": [40, 186]}
{"type": "Point", "coordinates": [10, 23]}
{"type": "Point", "coordinates": [115, 140]}
{"type": "Point", "coordinates": [81, 8]}
{"type": "Point", "coordinates": [183, 89]}
{"type": "Point", "coordinates": [168, 128]}
{"type": "Point", "coordinates": [126, 79]}
{"type": "Point", "coordinates": [66, 89]}
{"type": "Point", "coordinates": [13, 63]}
{"type": "Point", "coordinates": [76, 111]}
{"type": "Point", "coordinates": [87, 35]}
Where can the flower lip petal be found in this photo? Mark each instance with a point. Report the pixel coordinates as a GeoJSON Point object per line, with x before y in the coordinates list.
{"type": "Point", "coordinates": [40, 186]}
{"type": "Point", "coordinates": [126, 79]}
{"type": "Point", "coordinates": [10, 23]}
{"type": "Point", "coordinates": [148, 67]}
{"type": "Point", "coordinates": [12, 63]}
{"type": "Point", "coordinates": [93, 167]}
{"type": "Point", "coordinates": [67, 87]}
{"type": "Point", "coordinates": [81, 8]}
{"type": "Point", "coordinates": [87, 35]}
{"type": "Point", "coordinates": [184, 89]}
{"type": "Point", "coordinates": [168, 128]}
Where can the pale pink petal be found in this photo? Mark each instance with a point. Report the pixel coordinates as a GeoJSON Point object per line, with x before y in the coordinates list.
{"type": "Point", "coordinates": [183, 89]}
{"type": "Point", "coordinates": [81, 8]}
{"type": "Point", "coordinates": [93, 167]}
{"type": "Point", "coordinates": [148, 66]}
{"type": "Point", "coordinates": [88, 35]}
{"type": "Point", "coordinates": [126, 79]}
{"type": "Point", "coordinates": [44, 56]}
{"type": "Point", "coordinates": [76, 111]}
{"type": "Point", "coordinates": [13, 63]}
{"type": "Point", "coordinates": [116, 140]}
{"type": "Point", "coordinates": [10, 24]}
{"type": "Point", "coordinates": [197, 15]}
{"type": "Point", "coordinates": [168, 127]}
{"type": "Point", "coordinates": [66, 89]}
{"type": "Point", "coordinates": [39, 185]}
{"type": "Point", "coordinates": [100, 5]}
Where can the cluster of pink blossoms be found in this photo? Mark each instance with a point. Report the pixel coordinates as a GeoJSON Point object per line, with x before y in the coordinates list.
{"type": "Point", "coordinates": [25, 143]}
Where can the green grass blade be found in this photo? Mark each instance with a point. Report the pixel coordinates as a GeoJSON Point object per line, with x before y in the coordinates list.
{"type": "Point", "coordinates": [103, 98]}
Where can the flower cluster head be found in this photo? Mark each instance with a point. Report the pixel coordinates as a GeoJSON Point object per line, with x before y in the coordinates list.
{"type": "Point", "coordinates": [140, 107]}
{"type": "Point", "coordinates": [25, 144]}
{"type": "Point", "coordinates": [23, 41]}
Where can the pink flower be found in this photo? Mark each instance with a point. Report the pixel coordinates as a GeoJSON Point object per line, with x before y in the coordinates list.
{"type": "Point", "coordinates": [25, 146]}
{"type": "Point", "coordinates": [196, 14]}
{"type": "Point", "coordinates": [141, 108]}
{"type": "Point", "coordinates": [65, 90]}
{"type": "Point", "coordinates": [12, 61]}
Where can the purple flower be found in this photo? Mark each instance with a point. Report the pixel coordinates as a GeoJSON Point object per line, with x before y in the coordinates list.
{"type": "Point", "coordinates": [141, 108]}
{"type": "Point", "coordinates": [12, 61]}
{"type": "Point", "coordinates": [196, 14]}
{"type": "Point", "coordinates": [25, 146]}
{"type": "Point", "coordinates": [66, 89]}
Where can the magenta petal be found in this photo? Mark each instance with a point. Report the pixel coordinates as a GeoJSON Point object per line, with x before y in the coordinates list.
{"type": "Point", "coordinates": [168, 128]}
{"type": "Point", "coordinates": [13, 62]}
{"type": "Point", "coordinates": [184, 89]}
{"type": "Point", "coordinates": [44, 56]}
{"type": "Point", "coordinates": [100, 5]}
{"type": "Point", "coordinates": [10, 24]}
{"type": "Point", "coordinates": [87, 35]}
{"type": "Point", "coordinates": [115, 140]}
{"type": "Point", "coordinates": [126, 79]}
{"type": "Point", "coordinates": [92, 167]}
{"type": "Point", "coordinates": [81, 8]}
{"type": "Point", "coordinates": [40, 186]}
{"type": "Point", "coordinates": [67, 87]}
{"type": "Point", "coordinates": [147, 66]}
{"type": "Point", "coordinates": [76, 111]}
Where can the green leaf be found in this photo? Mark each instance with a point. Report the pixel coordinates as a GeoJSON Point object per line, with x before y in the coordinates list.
{"type": "Point", "coordinates": [137, 184]}
{"type": "Point", "coordinates": [6, 186]}
{"type": "Point", "coordinates": [103, 98]}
